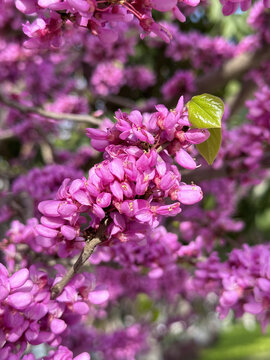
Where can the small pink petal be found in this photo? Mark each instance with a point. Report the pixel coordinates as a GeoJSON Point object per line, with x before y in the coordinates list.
{"type": "Point", "coordinates": [52, 222]}
{"type": "Point", "coordinates": [68, 232]}
{"type": "Point", "coordinates": [155, 273]}
{"type": "Point", "coordinates": [36, 311]}
{"type": "Point", "coordinates": [58, 326]}
{"type": "Point", "coordinates": [19, 278]}
{"type": "Point", "coordinates": [81, 308]}
{"type": "Point", "coordinates": [98, 296]}
{"type": "Point", "coordinates": [163, 5]}
{"type": "Point", "coordinates": [49, 208]}
{"type": "Point", "coordinates": [264, 284]}
{"type": "Point", "coordinates": [67, 209]}
{"type": "Point", "coordinates": [3, 270]}
{"type": "Point", "coordinates": [184, 159]}
{"type": "Point", "coordinates": [197, 136]}
{"type": "Point", "coordinates": [253, 308]}
{"type": "Point", "coordinates": [116, 168]}
{"type": "Point", "coordinates": [47, 232]}
{"type": "Point", "coordinates": [189, 194]}
{"type": "Point", "coordinates": [81, 197]}
{"type": "Point", "coordinates": [20, 300]}
{"type": "Point", "coordinates": [82, 356]}
{"type": "Point", "coordinates": [3, 292]}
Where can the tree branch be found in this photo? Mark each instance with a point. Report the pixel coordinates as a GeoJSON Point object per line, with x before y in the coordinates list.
{"type": "Point", "coordinates": [47, 152]}
{"type": "Point", "coordinates": [120, 101]}
{"type": "Point", "coordinates": [6, 134]}
{"type": "Point", "coordinates": [209, 173]}
{"type": "Point", "coordinates": [91, 242]}
{"type": "Point", "coordinates": [48, 114]}
{"type": "Point", "coordinates": [235, 68]}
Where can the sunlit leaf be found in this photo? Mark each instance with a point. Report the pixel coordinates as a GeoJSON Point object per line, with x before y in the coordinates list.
{"type": "Point", "coordinates": [209, 149]}
{"type": "Point", "coordinates": [205, 111]}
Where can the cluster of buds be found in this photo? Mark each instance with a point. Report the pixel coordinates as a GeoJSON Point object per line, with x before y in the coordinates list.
{"type": "Point", "coordinates": [230, 6]}
{"type": "Point", "coordinates": [28, 315]}
{"type": "Point", "coordinates": [97, 15]}
{"type": "Point", "coordinates": [135, 186]}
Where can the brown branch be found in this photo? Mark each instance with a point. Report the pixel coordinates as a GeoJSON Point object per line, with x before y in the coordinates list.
{"type": "Point", "coordinates": [208, 173]}
{"type": "Point", "coordinates": [162, 147]}
{"type": "Point", "coordinates": [120, 101]}
{"type": "Point", "coordinates": [235, 68]}
{"type": "Point", "coordinates": [91, 242]}
{"type": "Point", "coordinates": [48, 114]}
{"type": "Point", "coordinates": [203, 173]}
{"type": "Point", "coordinates": [47, 152]}
{"type": "Point", "coordinates": [6, 134]}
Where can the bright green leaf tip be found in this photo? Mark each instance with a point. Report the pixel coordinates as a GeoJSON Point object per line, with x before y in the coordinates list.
{"type": "Point", "coordinates": [209, 149]}
{"type": "Point", "coordinates": [205, 112]}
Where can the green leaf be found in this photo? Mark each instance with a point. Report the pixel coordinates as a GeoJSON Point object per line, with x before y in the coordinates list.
{"type": "Point", "coordinates": [209, 149]}
{"type": "Point", "coordinates": [205, 111]}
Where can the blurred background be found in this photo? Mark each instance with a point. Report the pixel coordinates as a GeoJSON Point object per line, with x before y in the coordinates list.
{"type": "Point", "coordinates": [85, 77]}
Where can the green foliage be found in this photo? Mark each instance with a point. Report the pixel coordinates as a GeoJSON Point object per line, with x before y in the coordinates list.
{"type": "Point", "coordinates": [233, 27]}
{"type": "Point", "coordinates": [239, 344]}
{"type": "Point", "coordinates": [205, 112]}
{"type": "Point", "coordinates": [263, 220]}
{"type": "Point", "coordinates": [209, 149]}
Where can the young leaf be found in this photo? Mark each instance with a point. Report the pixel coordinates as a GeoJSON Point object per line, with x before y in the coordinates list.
{"type": "Point", "coordinates": [205, 111]}
{"type": "Point", "coordinates": [210, 147]}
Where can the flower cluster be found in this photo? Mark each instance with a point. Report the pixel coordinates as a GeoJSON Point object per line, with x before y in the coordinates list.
{"type": "Point", "coordinates": [158, 251]}
{"type": "Point", "coordinates": [204, 225]}
{"type": "Point", "coordinates": [46, 78]}
{"type": "Point", "coordinates": [182, 81]}
{"type": "Point", "coordinates": [158, 254]}
{"type": "Point", "coordinates": [61, 353]}
{"type": "Point", "coordinates": [259, 111]}
{"type": "Point", "coordinates": [29, 315]}
{"type": "Point", "coordinates": [97, 51]}
{"type": "Point", "coordinates": [98, 16]}
{"type": "Point", "coordinates": [30, 129]}
{"type": "Point", "coordinates": [136, 184]}
{"type": "Point", "coordinates": [108, 77]}
{"type": "Point", "coordinates": [139, 77]}
{"type": "Point", "coordinates": [121, 344]}
{"type": "Point", "coordinates": [203, 52]}
{"type": "Point", "coordinates": [242, 282]}
{"type": "Point", "coordinates": [43, 184]}
{"type": "Point", "coordinates": [27, 234]}
{"type": "Point", "coordinates": [243, 147]}
{"type": "Point", "coordinates": [230, 6]}
{"type": "Point", "coordinates": [259, 20]}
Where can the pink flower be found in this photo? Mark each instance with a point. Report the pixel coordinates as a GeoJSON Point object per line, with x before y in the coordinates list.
{"type": "Point", "coordinates": [184, 159]}
{"type": "Point", "coordinates": [161, 5]}
{"type": "Point", "coordinates": [189, 194]}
